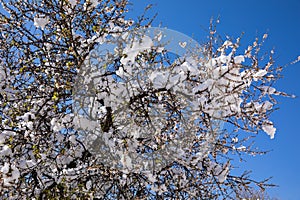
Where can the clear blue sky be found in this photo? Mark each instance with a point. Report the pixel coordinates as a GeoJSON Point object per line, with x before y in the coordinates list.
{"type": "Point", "coordinates": [281, 20]}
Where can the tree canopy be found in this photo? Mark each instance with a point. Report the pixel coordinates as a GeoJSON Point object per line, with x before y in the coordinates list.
{"type": "Point", "coordinates": [82, 120]}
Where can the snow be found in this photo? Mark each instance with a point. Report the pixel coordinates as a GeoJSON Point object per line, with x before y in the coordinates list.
{"type": "Point", "coordinates": [126, 161]}
{"type": "Point", "coordinates": [259, 74]}
{"type": "Point", "coordinates": [6, 151]}
{"type": "Point", "coordinates": [265, 36]}
{"type": "Point", "coordinates": [72, 139]}
{"type": "Point", "coordinates": [187, 66]}
{"type": "Point", "coordinates": [227, 43]}
{"type": "Point", "coordinates": [174, 80]}
{"type": "Point", "coordinates": [239, 59]}
{"type": "Point", "coordinates": [207, 84]}
{"type": "Point", "coordinates": [5, 168]}
{"type": "Point", "coordinates": [2, 75]}
{"type": "Point", "coordinates": [73, 2]}
{"type": "Point", "coordinates": [269, 129]}
{"type": "Point", "coordinates": [28, 116]}
{"type": "Point", "coordinates": [235, 140]}
{"type": "Point", "coordinates": [89, 184]}
{"type": "Point", "coordinates": [223, 59]}
{"type": "Point", "coordinates": [267, 105]}
{"type": "Point", "coordinates": [120, 72]}
{"type": "Point", "coordinates": [55, 125]}
{"type": "Point", "coordinates": [8, 179]}
{"type": "Point", "coordinates": [84, 123]}
{"type": "Point", "coordinates": [223, 175]}
{"type": "Point", "coordinates": [134, 48]}
{"type": "Point", "coordinates": [41, 22]}
{"type": "Point", "coordinates": [2, 138]}
{"type": "Point", "coordinates": [150, 176]}
{"type": "Point", "coordinates": [94, 3]}
{"type": "Point", "coordinates": [267, 90]}
{"type": "Point", "coordinates": [241, 148]}
{"type": "Point", "coordinates": [29, 125]}
{"type": "Point", "coordinates": [200, 88]}
{"type": "Point", "coordinates": [159, 36]}
{"type": "Point", "coordinates": [159, 79]}
{"type": "Point", "coordinates": [24, 164]}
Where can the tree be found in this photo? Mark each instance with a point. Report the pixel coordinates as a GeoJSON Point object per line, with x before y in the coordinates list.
{"type": "Point", "coordinates": [133, 123]}
{"type": "Point", "coordinates": [251, 194]}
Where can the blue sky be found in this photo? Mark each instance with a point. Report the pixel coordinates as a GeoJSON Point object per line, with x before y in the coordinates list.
{"type": "Point", "coordinates": [281, 20]}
